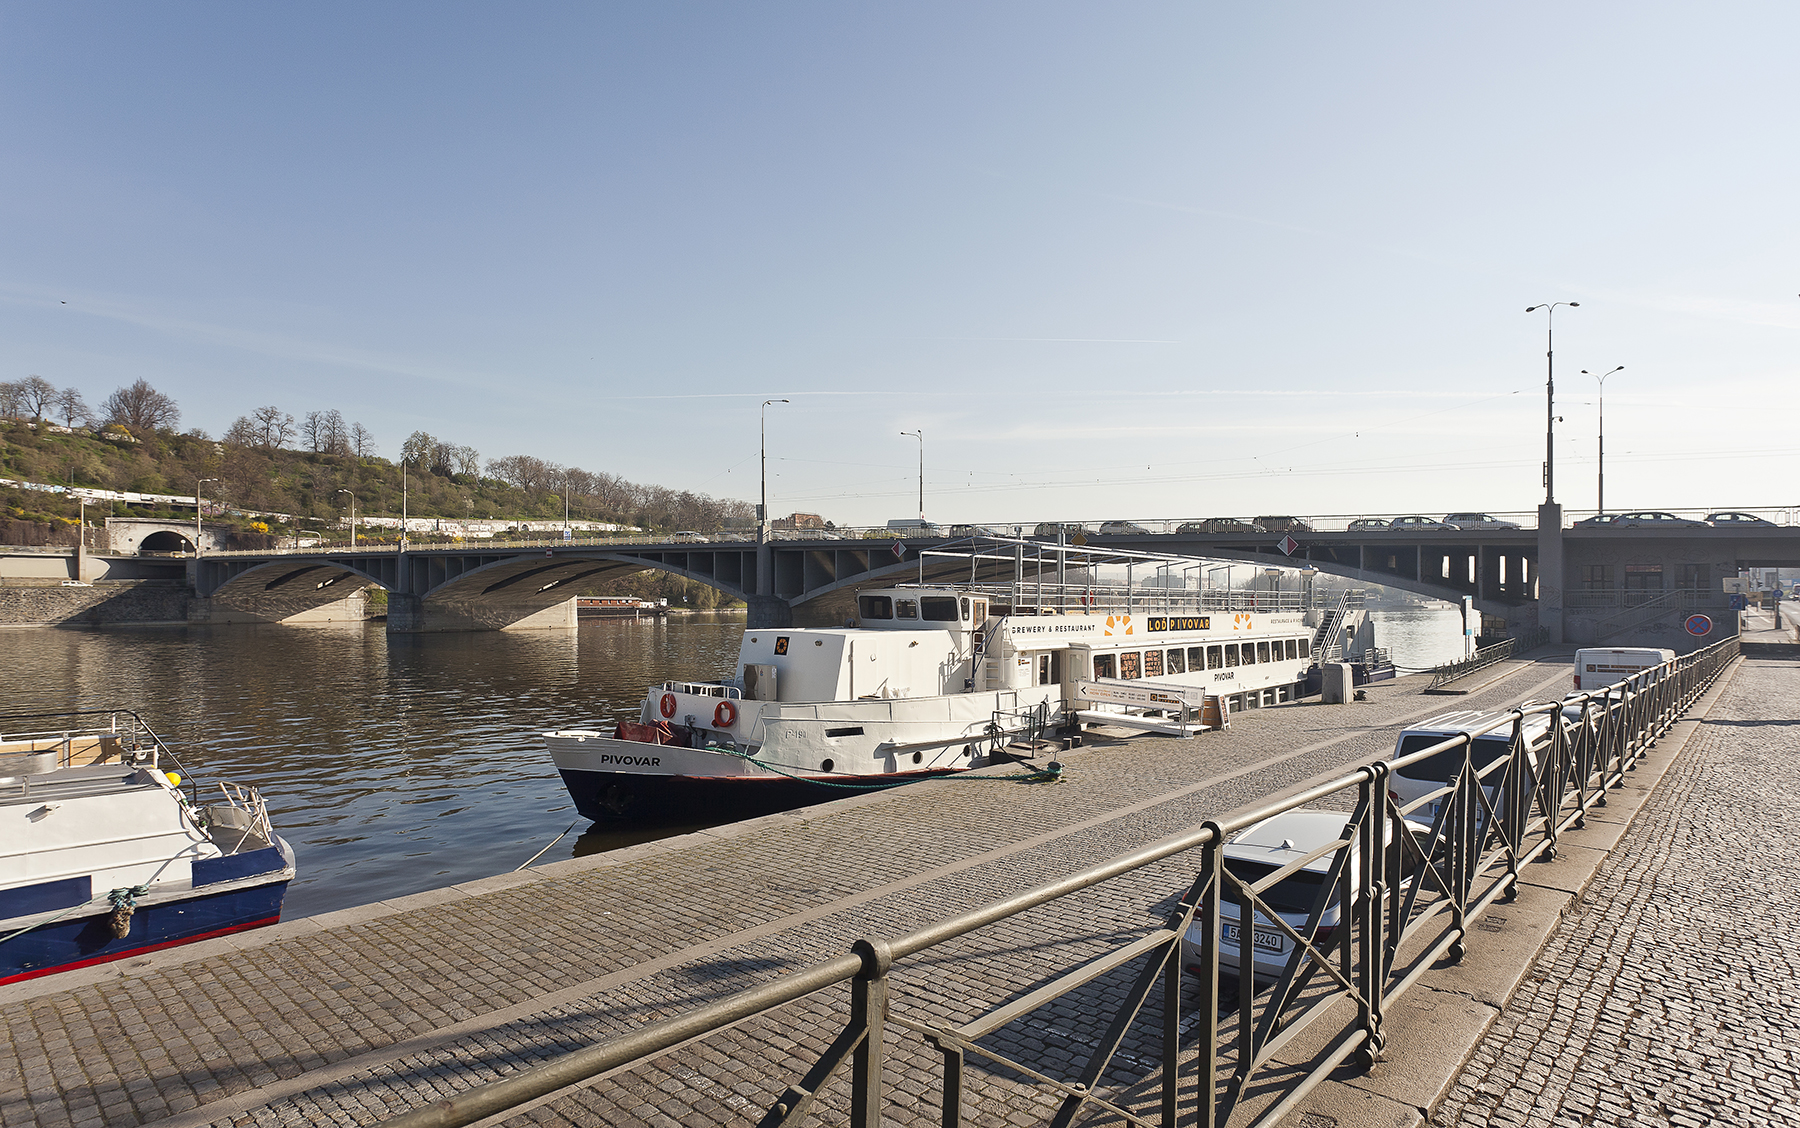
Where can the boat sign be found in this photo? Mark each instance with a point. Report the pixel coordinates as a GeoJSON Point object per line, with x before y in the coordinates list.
{"type": "Point", "coordinates": [1146, 695]}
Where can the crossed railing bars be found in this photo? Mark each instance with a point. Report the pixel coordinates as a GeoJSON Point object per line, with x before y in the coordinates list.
{"type": "Point", "coordinates": [1435, 879]}
{"type": "Point", "coordinates": [1480, 660]}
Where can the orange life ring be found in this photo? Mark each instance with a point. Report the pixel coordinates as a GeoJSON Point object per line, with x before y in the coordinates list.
{"type": "Point", "coordinates": [668, 705]}
{"type": "Point", "coordinates": [725, 715]}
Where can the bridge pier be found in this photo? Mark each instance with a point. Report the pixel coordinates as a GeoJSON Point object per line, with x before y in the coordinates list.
{"type": "Point", "coordinates": [768, 612]}
{"type": "Point", "coordinates": [1550, 570]}
{"type": "Point", "coordinates": [411, 614]}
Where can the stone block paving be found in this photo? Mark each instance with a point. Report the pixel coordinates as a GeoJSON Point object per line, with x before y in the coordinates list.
{"type": "Point", "coordinates": [382, 1013]}
{"type": "Point", "coordinates": [1671, 994]}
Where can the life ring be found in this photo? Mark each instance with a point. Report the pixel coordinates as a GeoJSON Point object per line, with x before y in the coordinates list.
{"type": "Point", "coordinates": [668, 705]}
{"type": "Point", "coordinates": [725, 715]}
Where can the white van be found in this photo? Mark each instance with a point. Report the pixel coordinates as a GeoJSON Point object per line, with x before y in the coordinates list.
{"type": "Point", "coordinates": [1434, 773]}
{"type": "Point", "coordinates": [1597, 669]}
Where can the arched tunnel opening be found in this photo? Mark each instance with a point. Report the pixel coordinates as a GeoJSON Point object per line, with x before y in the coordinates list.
{"type": "Point", "coordinates": [164, 541]}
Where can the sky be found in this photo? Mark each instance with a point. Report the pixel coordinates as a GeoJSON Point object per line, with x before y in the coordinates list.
{"type": "Point", "coordinates": [1141, 261]}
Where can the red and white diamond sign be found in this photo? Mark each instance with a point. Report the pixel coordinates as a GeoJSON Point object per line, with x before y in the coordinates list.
{"type": "Point", "coordinates": [1288, 545]}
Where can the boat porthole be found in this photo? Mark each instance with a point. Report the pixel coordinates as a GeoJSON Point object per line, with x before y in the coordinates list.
{"type": "Point", "coordinates": [826, 766]}
{"type": "Point", "coordinates": [918, 757]}
{"type": "Point", "coordinates": [969, 750]}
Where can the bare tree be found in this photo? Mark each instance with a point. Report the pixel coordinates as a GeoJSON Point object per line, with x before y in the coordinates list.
{"type": "Point", "coordinates": [468, 461]}
{"type": "Point", "coordinates": [362, 441]}
{"type": "Point", "coordinates": [273, 427]}
{"type": "Point", "coordinates": [74, 409]}
{"type": "Point", "coordinates": [312, 429]}
{"type": "Point", "coordinates": [242, 433]}
{"type": "Point", "coordinates": [38, 395]}
{"type": "Point", "coordinates": [419, 450]}
{"type": "Point", "coordinates": [141, 409]}
{"type": "Point", "coordinates": [337, 438]}
{"type": "Point", "coordinates": [10, 400]}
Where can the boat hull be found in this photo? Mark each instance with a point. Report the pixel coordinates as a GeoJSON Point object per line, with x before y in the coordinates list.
{"type": "Point", "coordinates": [70, 943]}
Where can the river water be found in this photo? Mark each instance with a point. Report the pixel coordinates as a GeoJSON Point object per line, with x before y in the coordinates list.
{"type": "Point", "coordinates": [396, 765]}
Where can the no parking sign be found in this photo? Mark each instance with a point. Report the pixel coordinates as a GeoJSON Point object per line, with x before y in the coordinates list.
{"type": "Point", "coordinates": [1698, 625]}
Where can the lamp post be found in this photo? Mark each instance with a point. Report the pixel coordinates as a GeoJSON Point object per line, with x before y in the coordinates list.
{"type": "Point", "coordinates": [762, 511]}
{"type": "Point", "coordinates": [352, 515]}
{"type": "Point", "coordinates": [198, 482]}
{"type": "Point", "coordinates": [920, 435]}
{"type": "Point", "coordinates": [1308, 574]}
{"type": "Point", "coordinates": [1602, 483]}
{"type": "Point", "coordinates": [1550, 394]}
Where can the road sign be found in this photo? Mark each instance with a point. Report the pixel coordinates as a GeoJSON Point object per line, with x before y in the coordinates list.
{"type": "Point", "coordinates": [1698, 625]}
{"type": "Point", "coordinates": [1147, 694]}
{"type": "Point", "coordinates": [1288, 545]}
{"type": "Point", "coordinates": [899, 549]}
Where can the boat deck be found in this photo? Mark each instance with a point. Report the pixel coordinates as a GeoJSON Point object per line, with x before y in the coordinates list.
{"type": "Point", "coordinates": [365, 1013]}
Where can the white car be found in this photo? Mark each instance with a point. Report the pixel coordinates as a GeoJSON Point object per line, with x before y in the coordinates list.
{"type": "Point", "coordinates": [1477, 521]}
{"type": "Point", "coordinates": [1258, 851]}
{"type": "Point", "coordinates": [1414, 781]}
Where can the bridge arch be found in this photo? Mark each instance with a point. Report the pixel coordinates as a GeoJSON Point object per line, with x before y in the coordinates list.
{"type": "Point", "coordinates": [165, 541]}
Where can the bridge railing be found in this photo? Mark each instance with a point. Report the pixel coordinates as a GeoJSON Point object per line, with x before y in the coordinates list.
{"type": "Point", "coordinates": [1399, 889]}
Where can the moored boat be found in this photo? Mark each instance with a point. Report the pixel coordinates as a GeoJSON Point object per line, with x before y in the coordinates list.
{"type": "Point", "coordinates": [107, 852]}
{"type": "Point", "coordinates": [935, 679]}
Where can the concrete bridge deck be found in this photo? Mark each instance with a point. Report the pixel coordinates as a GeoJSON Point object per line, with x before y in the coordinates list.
{"type": "Point", "coordinates": [360, 1014]}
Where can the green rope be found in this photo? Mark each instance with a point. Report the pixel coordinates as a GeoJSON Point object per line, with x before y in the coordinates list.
{"type": "Point", "coordinates": [1051, 774]}
{"type": "Point", "coordinates": [118, 897]}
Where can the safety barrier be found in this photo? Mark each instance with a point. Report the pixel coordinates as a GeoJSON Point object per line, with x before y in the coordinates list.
{"type": "Point", "coordinates": [1440, 861]}
{"type": "Point", "coordinates": [1480, 660]}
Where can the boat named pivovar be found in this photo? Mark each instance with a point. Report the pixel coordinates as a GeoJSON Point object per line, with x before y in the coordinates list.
{"type": "Point", "coordinates": [938, 678]}
{"type": "Point", "coordinates": [106, 853]}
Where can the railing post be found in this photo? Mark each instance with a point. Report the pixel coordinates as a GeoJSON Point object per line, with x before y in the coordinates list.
{"type": "Point", "coordinates": [1371, 971]}
{"type": "Point", "coordinates": [868, 1013]}
{"type": "Point", "coordinates": [1206, 914]}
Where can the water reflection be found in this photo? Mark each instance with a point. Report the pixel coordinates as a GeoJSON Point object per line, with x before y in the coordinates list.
{"type": "Point", "coordinates": [392, 765]}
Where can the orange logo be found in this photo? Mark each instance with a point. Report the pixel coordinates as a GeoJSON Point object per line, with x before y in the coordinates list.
{"type": "Point", "coordinates": [1118, 625]}
{"type": "Point", "coordinates": [1240, 622]}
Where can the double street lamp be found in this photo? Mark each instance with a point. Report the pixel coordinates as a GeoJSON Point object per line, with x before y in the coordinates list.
{"type": "Point", "coordinates": [762, 511]}
{"type": "Point", "coordinates": [1550, 395]}
{"type": "Point", "coordinates": [352, 515]}
{"type": "Point", "coordinates": [919, 435]}
{"type": "Point", "coordinates": [1602, 484]}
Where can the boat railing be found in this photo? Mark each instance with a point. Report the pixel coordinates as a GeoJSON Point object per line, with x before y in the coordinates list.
{"type": "Point", "coordinates": [1031, 598]}
{"type": "Point", "coordinates": [242, 819]}
{"type": "Point", "coordinates": [704, 689]}
{"type": "Point", "coordinates": [80, 737]}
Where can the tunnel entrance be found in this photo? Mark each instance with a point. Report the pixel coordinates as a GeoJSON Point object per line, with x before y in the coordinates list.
{"type": "Point", "coordinates": [160, 543]}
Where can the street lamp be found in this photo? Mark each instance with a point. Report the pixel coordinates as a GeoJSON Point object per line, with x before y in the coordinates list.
{"type": "Point", "coordinates": [352, 514]}
{"type": "Point", "coordinates": [762, 511]}
{"type": "Point", "coordinates": [1308, 574]}
{"type": "Point", "coordinates": [198, 482]}
{"type": "Point", "coordinates": [1602, 484]}
{"type": "Point", "coordinates": [920, 435]}
{"type": "Point", "coordinates": [1550, 395]}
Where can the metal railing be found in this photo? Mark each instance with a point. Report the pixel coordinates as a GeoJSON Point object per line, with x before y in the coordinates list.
{"type": "Point", "coordinates": [1480, 660]}
{"type": "Point", "coordinates": [1440, 861]}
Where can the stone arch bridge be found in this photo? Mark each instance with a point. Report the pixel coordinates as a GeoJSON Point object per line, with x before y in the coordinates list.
{"type": "Point", "coordinates": [784, 582]}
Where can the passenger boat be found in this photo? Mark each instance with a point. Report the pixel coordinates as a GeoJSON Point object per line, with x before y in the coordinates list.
{"type": "Point", "coordinates": [934, 679]}
{"type": "Point", "coordinates": [107, 852]}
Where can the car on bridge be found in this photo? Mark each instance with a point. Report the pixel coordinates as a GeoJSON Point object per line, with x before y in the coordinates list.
{"type": "Point", "coordinates": [1220, 525]}
{"type": "Point", "coordinates": [1735, 520]}
{"type": "Point", "coordinates": [1366, 525]}
{"type": "Point", "coordinates": [1477, 521]}
{"type": "Point", "coordinates": [1656, 520]}
{"type": "Point", "coordinates": [1123, 529]}
{"type": "Point", "coordinates": [973, 531]}
{"type": "Point", "coordinates": [1417, 524]}
{"type": "Point", "coordinates": [1282, 525]}
{"type": "Point", "coordinates": [1050, 530]}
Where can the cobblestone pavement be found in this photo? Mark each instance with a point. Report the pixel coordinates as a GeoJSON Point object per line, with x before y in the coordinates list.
{"type": "Point", "coordinates": [1671, 994]}
{"type": "Point", "coordinates": [386, 1010]}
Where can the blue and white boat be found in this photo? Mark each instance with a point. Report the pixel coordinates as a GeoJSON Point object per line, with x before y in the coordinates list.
{"type": "Point", "coordinates": [106, 852]}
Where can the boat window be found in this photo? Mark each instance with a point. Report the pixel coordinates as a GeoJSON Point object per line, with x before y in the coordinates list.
{"type": "Point", "coordinates": [1153, 664]}
{"type": "Point", "coordinates": [1197, 657]}
{"type": "Point", "coordinates": [1247, 653]}
{"type": "Point", "coordinates": [906, 609]}
{"type": "Point", "coordinates": [965, 608]}
{"type": "Point", "coordinates": [1103, 666]}
{"type": "Point", "coordinates": [875, 606]}
{"type": "Point", "coordinates": [1293, 648]}
{"type": "Point", "coordinates": [939, 608]}
{"type": "Point", "coordinates": [1128, 664]}
{"type": "Point", "coordinates": [1262, 652]}
{"type": "Point", "coordinates": [1231, 654]}
{"type": "Point", "coordinates": [1043, 677]}
{"type": "Point", "coordinates": [980, 611]}
{"type": "Point", "coordinates": [1306, 648]}
{"type": "Point", "coordinates": [1176, 666]}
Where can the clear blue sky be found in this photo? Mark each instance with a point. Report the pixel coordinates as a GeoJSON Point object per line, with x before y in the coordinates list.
{"type": "Point", "coordinates": [1116, 260]}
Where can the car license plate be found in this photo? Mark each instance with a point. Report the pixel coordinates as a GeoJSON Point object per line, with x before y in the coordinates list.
{"type": "Point", "coordinates": [1267, 941]}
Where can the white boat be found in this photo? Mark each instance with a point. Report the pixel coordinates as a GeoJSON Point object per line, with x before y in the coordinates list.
{"type": "Point", "coordinates": [934, 679]}
{"type": "Point", "coordinates": [106, 852]}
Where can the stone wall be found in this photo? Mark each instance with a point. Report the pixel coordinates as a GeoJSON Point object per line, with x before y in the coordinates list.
{"type": "Point", "coordinates": [116, 601]}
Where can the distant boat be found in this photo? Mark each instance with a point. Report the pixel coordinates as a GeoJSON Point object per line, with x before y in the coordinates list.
{"type": "Point", "coordinates": [107, 852]}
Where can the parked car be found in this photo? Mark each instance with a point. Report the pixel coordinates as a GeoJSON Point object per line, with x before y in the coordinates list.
{"type": "Point", "coordinates": [1434, 773]}
{"type": "Point", "coordinates": [1366, 524]}
{"type": "Point", "coordinates": [1416, 524]}
{"type": "Point", "coordinates": [1282, 525]}
{"type": "Point", "coordinates": [1122, 529]}
{"type": "Point", "coordinates": [971, 531]}
{"type": "Point", "coordinates": [687, 535]}
{"type": "Point", "coordinates": [1048, 530]}
{"type": "Point", "coordinates": [1258, 851]}
{"type": "Point", "coordinates": [1219, 525]}
{"type": "Point", "coordinates": [1657, 520]}
{"type": "Point", "coordinates": [1596, 519]}
{"type": "Point", "coordinates": [1477, 521]}
{"type": "Point", "coordinates": [1735, 519]}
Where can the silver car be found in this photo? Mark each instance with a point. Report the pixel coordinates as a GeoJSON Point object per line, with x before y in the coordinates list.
{"type": "Point", "coordinates": [1258, 851]}
{"type": "Point", "coordinates": [1477, 521]}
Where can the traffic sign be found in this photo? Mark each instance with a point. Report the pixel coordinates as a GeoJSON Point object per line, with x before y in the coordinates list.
{"type": "Point", "coordinates": [1698, 625]}
{"type": "Point", "coordinates": [1288, 545]}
